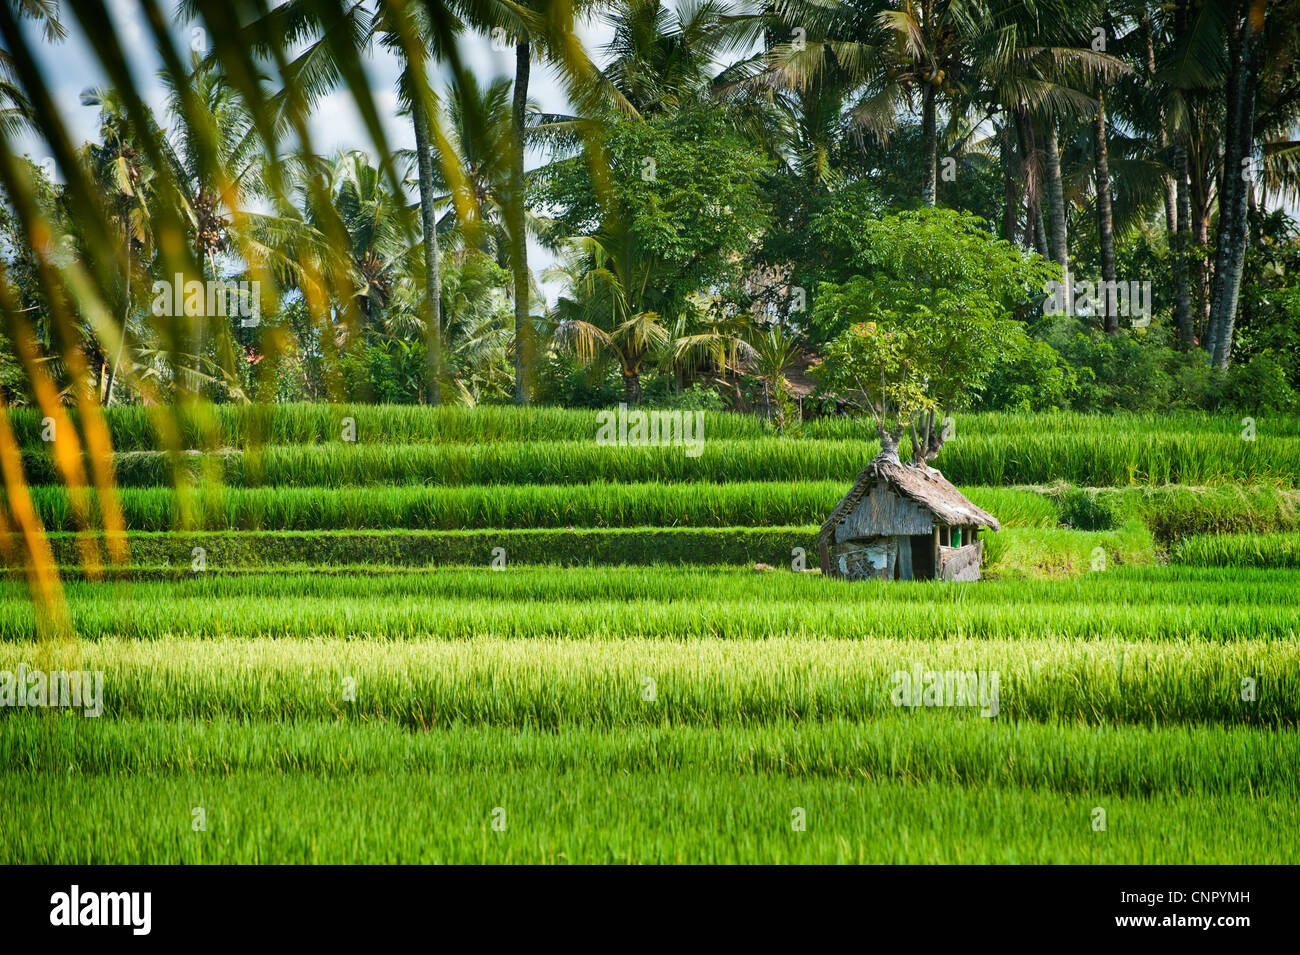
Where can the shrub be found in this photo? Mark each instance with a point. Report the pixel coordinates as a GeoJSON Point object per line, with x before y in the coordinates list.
{"type": "Point", "coordinates": [1088, 509]}
{"type": "Point", "coordinates": [237, 549]}
{"type": "Point", "coordinates": [1259, 386]}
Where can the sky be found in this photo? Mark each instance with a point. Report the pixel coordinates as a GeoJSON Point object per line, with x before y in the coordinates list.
{"type": "Point", "coordinates": [71, 67]}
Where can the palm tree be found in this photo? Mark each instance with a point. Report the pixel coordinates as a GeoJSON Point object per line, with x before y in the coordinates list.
{"type": "Point", "coordinates": [120, 170]}
{"type": "Point", "coordinates": [1105, 218]}
{"type": "Point", "coordinates": [599, 317]}
{"type": "Point", "coordinates": [479, 127]}
{"type": "Point", "coordinates": [1261, 39]}
{"type": "Point", "coordinates": [819, 57]}
{"type": "Point", "coordinates": [888, 53]}
{"type": "Point", "coordinates": [418, 34]}
{"type": "Point", "coordinates": [421, 34]}
{"type": "Point", "coordinates": [1034, 68]}
{"type": "Point", "coordinates": [15, 109]}
{"type": "Point", "coordinates": [1246, 45]}
{"type": "Point", "coordinates": [216, 154]}
{"type": "Point", "coordinates": [372, 216]}
{"type": "Point", "coordinates": [659, 57]}
{"type": "Point", "coordinates": [774, 353]}
{"type": "Point", "coordinates": [415, 33]}
{"type": "Point", "coordinates": [480, 132]}
{"type": "Point", "coordinates": [215, 165]}
{"type": "Point", "coordinates": [545, 27]}
{"type": "Point", "coordinates": [715, 336]}
{"type": "Point", "coordinates": [1228, 91]}
{"type": "Point", "coordinates": [931, 39]}
{"type": "Point", "coordinates": [1189, 67]}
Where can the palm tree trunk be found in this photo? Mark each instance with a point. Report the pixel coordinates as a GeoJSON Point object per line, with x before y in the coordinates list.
{"type": "Point", "coordinates": [1171, 189]}
{"type": "Point", "coordinates": [1105, 221]}
{"type": "Point", "coordinates": [1031, 176]}
{"type": "Point", "coordinates": [632, 387]}
{"type": "Point", "coordinates": [126, 316]}
{"type": "Point", "coordinates": [432, 267]}
{"type": "Point", "coordinates": [1199, 195]}
{"type": "Point", "coordinates": [1010, 189]}
{"type": "Point", "coordinates": [515, 225]}
{"type": "Point", "coordinates": [1245, 53]}
{"type": "Point", "coordinates": [112, 375]}
{"type": "Point", "coordinates": [1162, 131]}
{"type": "Point", "coordinates": [1192, 138]}
{"type": "Point", "coordinates": [929, 127]}
{"type": "Point", "coordinates": [1057, 240]}
{"type": "Point", "coordinates": [1181, 245]}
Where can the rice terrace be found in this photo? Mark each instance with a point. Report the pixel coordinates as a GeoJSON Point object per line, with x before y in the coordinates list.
{"type": "Point", "coordinates": [589, 648]}
{"type": "Point", "coordinates": [648, 432]}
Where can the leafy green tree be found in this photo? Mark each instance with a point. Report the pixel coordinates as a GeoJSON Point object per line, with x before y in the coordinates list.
{"type": "Point", "coordinates": [908, 355]}
{"type": "Point", "coordinates": [932, 251]}
{"type": "Point", "coordinates": [917, 334]}
{"type": "Point", "coordinates": [684, 206]}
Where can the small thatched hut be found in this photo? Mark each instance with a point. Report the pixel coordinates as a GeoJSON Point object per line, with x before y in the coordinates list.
{"type": "Point", "coordinates": [903, 522]}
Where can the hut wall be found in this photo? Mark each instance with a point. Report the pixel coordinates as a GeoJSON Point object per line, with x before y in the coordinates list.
{"type": "Point", "coordinates": [874, 558]}
{"type": "Point", "coordinates": [961, 563]}
{"type": "Point", "coordinates": [903, 547]}
{"type": "Point", "coordinates": [882, 512]}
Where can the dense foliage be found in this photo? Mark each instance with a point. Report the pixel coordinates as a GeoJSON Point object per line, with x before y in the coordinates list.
{"type": "Point", "coordinates": [717, 217]}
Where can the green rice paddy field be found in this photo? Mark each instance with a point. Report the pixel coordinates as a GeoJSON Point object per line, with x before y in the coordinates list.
{"type": "Point", "coordinates": [479, 636]}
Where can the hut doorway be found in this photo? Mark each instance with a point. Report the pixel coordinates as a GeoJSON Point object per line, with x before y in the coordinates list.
{"type": "Point", "coordinates": [922, 554]}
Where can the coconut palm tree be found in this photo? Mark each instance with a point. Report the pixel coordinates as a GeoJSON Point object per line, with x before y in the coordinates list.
{"type": "Point", "coordinates": [480, 131]}
{"type": "Point", "coordinates": [1033, 72]}
{"type": "Point", "coordinates": [930, 40]}
{"type": "Point", "coordinates": [15, 109]}
{"type": "Point", "coordinates": [660, 57]}
{"type": "Point", "coordinates": [119, 168]}
{"type": "Point", "coordinates": [601, 317]}
{"type": "Point", "coordinates": [1262, 44]}
{"type": "Point", "coordinates": [543, 28]}
{"type": "Point", "coordinates": [373, 217]}
{"type": "Point", "coordinates": [418, 34]}
{"type": "Point", "coordinates": [774, 353]}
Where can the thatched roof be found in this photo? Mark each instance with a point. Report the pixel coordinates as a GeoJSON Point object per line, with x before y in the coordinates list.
{"type": "Point", "coordinates": [924, 486]}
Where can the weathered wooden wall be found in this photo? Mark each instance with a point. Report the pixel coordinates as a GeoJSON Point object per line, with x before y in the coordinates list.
{"type": "Point", "coordinates": [873, 558]}
{"type": "Point", "coordinates": [903, 547]}
{"type": "Point", "coordinates": [881, 512]}
{"type": "Point", "coordinates": [961, 563]}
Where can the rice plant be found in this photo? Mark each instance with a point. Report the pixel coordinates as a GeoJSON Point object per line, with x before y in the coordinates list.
{"type": "Point", "coordinates": [955, 747]}
{"type": "Point", "coordinates": [739, 504]}
{"type": "Point", "coordinates": [132, 428]}
{"type": "Point", "coordinates": [671, 815]}
{"type": "Point", "coordinates": [990, 460]}
{"type": "Point", "coordinates": [1238, 550]}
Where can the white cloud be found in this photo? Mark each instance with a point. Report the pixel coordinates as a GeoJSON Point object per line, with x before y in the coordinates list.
{"type": "Point", "coordinates": [128, 20]}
